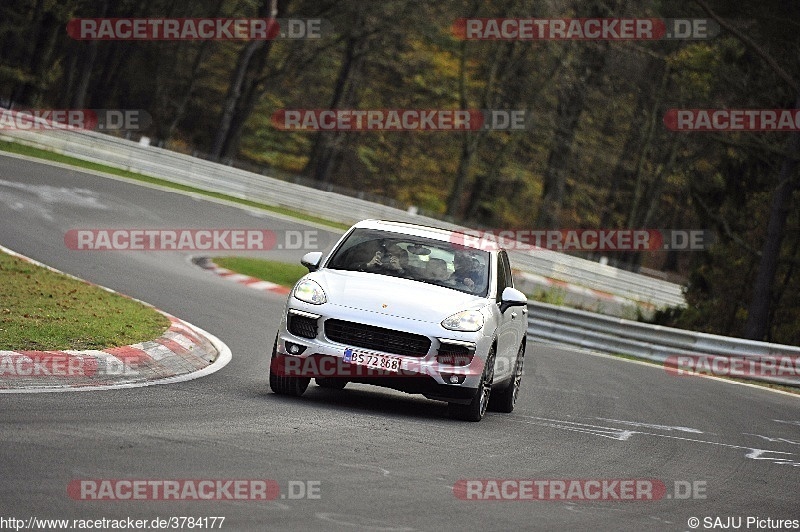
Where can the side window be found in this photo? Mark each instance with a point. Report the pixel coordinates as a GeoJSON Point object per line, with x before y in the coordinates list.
{"type": "Point", "coordinates": [502, 279]}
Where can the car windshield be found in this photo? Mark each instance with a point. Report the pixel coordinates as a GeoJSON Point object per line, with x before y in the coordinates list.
{"type": "Point", "coordinates": [421, 259]}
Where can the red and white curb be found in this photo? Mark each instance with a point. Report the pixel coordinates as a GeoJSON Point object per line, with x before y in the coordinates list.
{"type": "Point", "coordinates": [257, 284]}
{"type": "Point", "coordinates": [250, 282]}
{"type": "Point", "coordinates": [184, 352]}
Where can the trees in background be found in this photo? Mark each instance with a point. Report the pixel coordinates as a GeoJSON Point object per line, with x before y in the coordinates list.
{"type": "Point", "coordinates": [597, 153]}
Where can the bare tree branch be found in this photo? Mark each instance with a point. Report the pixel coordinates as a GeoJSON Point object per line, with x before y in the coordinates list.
{"type": "Point", "coordinates": [763, 54]}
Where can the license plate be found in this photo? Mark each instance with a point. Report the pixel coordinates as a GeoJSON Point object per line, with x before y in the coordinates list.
{"type": "Point", "coordinates": [372, 360]}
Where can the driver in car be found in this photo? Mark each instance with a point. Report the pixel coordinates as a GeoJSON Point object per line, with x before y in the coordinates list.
{"type": "Point", "coordinates": [466, 272]}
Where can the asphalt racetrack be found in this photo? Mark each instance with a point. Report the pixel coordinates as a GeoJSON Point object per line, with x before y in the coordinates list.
{"type": "Point", "coordinates": [363, 458]}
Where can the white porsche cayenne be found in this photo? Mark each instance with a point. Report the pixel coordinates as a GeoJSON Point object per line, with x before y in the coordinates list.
{"type": "Point", "coordinates": [407, 307]}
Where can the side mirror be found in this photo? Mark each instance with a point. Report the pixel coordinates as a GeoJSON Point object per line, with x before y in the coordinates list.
{"type": "Point", "coordinates": [511, 297]}
{"type": "Point", "coordinates": [311, 260]}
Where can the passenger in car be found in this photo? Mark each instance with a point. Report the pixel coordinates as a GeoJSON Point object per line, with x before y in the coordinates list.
{"type": "Point", "coordinates": [396, 260]}
{"type": "Point", "coordinates": [465, 272]}
{"type": "Point", "coordinates": [391, 261]}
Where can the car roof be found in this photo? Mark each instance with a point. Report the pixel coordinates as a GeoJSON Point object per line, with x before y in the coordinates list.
{"type": "Point", "coordinates": [434, 233]}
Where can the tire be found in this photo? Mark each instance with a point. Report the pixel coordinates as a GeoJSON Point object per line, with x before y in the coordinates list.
{"type": "Point", "coordinates": [285, 384]}
{"type": "Point", "coordinates": [331, 383]}
{"type": "Point", "coordinates": [505, 399]}
{"type": "Point", "coordinates": [475, 410]}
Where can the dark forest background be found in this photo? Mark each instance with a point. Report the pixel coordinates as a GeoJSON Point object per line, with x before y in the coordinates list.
{"type": "Point", "coordinates": [598, 155]}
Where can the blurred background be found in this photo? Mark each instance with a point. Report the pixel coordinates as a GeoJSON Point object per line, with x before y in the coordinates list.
{"type": "Point", "coordinates": [598, 154]}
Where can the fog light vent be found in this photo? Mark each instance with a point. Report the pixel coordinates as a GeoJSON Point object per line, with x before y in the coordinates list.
{"type": "Point", "coordinates": [293, 348]}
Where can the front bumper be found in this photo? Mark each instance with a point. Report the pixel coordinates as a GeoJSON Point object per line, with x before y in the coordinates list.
{"type": "Point", "coordinates": [318, 356]}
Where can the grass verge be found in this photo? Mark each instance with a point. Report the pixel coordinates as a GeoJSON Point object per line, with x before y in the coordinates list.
{"type": "Point", "coordinates": [43, 310]}
{"type": "Point", "coordinates": [21, 149]}
{"type": "Point", "coordinates": [267, 270]}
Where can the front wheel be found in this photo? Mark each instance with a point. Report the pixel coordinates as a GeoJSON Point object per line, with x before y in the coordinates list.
{"type": "Point", "coordinates": [475, 410]}
{"type": "Point", "coordinates": [279, 382]}
{"type": "Point", "coordinates": [505, 399]}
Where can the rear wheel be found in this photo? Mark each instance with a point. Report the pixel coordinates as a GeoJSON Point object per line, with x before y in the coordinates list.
{"type": "Point", "coordinates": [475, 410]}
{"type": "Point", "coordinates": [505, 399]}
{"type": "Point", "coordinates": [281, 383]}
{"type": "Point", "coordinates": [331, 383]}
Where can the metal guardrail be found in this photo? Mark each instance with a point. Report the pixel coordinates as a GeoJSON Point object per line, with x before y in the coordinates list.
{"type": "Point", "coordinates": [551, 323]}
{"type": "Point", "coordinates": [545, 322]}
{"type": "Point", "coordinates": [575, 270]}
{"type": "Point", "coordinates": [191, 171]}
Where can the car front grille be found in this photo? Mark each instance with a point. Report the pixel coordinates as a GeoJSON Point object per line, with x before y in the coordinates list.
{"type": "Point", "coordinates": [377, 338]}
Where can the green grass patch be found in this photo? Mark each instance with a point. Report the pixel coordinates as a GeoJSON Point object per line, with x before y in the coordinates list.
{"type": "Point", "coordinates": [267, 270]}
{"type": "Point", "coordinates": [20, 149]}
{"type": "Point", "coordinates": [553, 296]}
{"type": "Point", "coordinates": [43, 310]}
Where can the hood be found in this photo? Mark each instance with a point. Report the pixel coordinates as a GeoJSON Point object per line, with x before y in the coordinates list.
{"type": "Point", "coordinates": [393, 296]}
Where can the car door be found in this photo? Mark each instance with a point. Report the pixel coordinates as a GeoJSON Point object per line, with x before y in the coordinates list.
{"type": "Point", "coordinates": [521, 316]}
{"type": "Point", "coordinates": [508, 330]}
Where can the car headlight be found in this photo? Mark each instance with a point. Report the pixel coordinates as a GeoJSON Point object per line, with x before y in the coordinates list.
{"type": "Point", "coordinates": [466, 321]}
{"type": "Point", "coordinates": [310, 292]}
